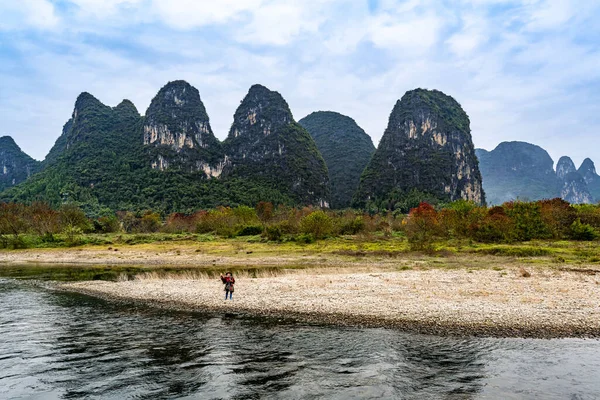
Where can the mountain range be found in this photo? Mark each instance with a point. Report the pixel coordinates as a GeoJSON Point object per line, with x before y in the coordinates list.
{"type": "Point", "coordinates": [520, 170]}
{"type": "Point", "coordinates": [169, 160]}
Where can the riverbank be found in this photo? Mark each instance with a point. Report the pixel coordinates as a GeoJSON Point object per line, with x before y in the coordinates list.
{"type": "Point", "coordinates": [510, 302]}
{"type": "Point", "coordinates": [207, 250]}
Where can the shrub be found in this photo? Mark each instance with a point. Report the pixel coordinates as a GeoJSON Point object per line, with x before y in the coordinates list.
{"type": "Point", "coordinates": [179, 223]}
{"type": "Point", "coordinates": [306, 238]}
{"type": "Point", "coordinates": [244, 215]}
{"type": "Point", "coordinates": [73, 234]}
{"type": "Point", "coordinates": [250, 230]}
{"type": "Point", "coordinates": [71, 216]}
{"type": "Point", "coordinates": [150, 222]}
{"type": "Point", "coordinates": [527, 222]}
{"type": "Point", "coordinates": [558, 215]}
{"type": "Point", "coordinates": [264, 211]}
{"type": "Point", "coordinates": [581, 231]}
{"type": "Point", "coordinates": [422, 227]}
{"type": "Point", "coordinates": [107, 224]}
{"type": "Point", "coordinates": [588, 214]}
{"type": "Point", "coordinates": [44, 220]}
{"type": "Point", "coordinates": [493, 227]}
{"type": "Point", "coordinates": [317, 224]}
{"type": "Point", "coordinates": [351, 226]}
{"type": "Point", "coordinates": [273, 233]}
{"type": "Point", "coordinates": [458, 217]}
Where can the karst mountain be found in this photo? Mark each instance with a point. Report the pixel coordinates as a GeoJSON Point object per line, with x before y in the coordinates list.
{"type": "Point", "coordinates": [346, 148]}
{"type": "Point", "coordinates": [427, 148]}
{"type": "Point", "coordinates": [112, 158]}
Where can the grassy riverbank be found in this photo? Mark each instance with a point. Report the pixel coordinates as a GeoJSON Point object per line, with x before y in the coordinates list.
{"type": "Point", "coordinates": [535, 289]}
{"type": "Point", "coordinates": [128, 255]}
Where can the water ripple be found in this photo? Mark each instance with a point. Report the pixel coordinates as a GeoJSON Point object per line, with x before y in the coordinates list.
{"type": "Point", "coordinates": [57, 345]}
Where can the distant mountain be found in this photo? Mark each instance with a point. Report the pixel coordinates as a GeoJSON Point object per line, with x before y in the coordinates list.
{"type": "Point", "coordinates": [517, 170]}
{"type": "Point", "coordinates": [575, 190]}
{"type": "Point", "coordinates": [591, 178]}
{"type": "Point", "coordinates": [169, 160]}
{"type": "Point", "coordinates": [427, 147]}
{"type": "Point", "coordinates": [564, 167]}
{"type": "Point", "coordinates": [16, 166]}
{"type": "Point", "coordinates": [267, 146]}
{"type": "Point", "coordinates": [346, 149]}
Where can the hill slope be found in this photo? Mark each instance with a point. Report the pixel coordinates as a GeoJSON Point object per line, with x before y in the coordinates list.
{"type": "Point", "coordinates": [426, 147]}
{"type": "Point", "coordinates": [15, 165]}
{"type": "Point", "coordinates": [591, 178]}
{"type": "Point", "coordinates": [346, 149]}
{"type": "Point", "coordinates": [266, 145]}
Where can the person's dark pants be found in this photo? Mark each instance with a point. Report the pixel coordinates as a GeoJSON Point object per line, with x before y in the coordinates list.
{"type": "Point", "coordinates": [230, 294]}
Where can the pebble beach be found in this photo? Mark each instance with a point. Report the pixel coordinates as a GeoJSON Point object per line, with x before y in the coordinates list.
{"type": "Point", "coordinates": [485, 302]}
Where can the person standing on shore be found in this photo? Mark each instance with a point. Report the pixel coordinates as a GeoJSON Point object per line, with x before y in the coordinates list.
{"type": "Point", "coordinates": [228, 280]}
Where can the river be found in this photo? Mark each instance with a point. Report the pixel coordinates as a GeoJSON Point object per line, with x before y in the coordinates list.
{"type": "Point", "coordinates": [67, 346]}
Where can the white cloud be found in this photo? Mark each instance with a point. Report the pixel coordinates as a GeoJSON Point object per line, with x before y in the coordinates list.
{"type": "Point", "coordinates": [188, 14]}
{"type": "Point", "coordinates": [22, 14]}
{"type": "Point", "coordinates": [550, 14]}
{"type": "Point", "coordinates": [416, 34]}
{"type": "Point", "coordinates": [473, 34]}
{"type": "Point", "coordinates": [520, 73]}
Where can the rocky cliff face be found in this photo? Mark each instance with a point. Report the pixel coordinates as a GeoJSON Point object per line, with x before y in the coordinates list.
{"type": "Point", "coordinates": [177, 132]}
{"type": "Point", "coordinates": [346, 149]}
{"type": "Point", "coordinates": [591, 178]}
{"type": "Point", "coordinates": [518, 170]}
{"type": "Point", "coordinates": [169, 160]}
{"type": "Point", "coordinates": [427, 147]}
{"type": "Point", "coordinates": [15, 165]}
{"type": "Point", "coordinates": [564, 167]}
{"type": "Point", "coordinates": [266, 145]}
{"type": "Point", "coordinates": [575, 190]}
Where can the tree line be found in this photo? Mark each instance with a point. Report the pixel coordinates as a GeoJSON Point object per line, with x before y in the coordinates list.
{"type": "Point", "coordinates": [23, 225]}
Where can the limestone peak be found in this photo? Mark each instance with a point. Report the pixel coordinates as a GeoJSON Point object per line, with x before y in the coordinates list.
{"type": "Point", "coordinates": [564, 167]}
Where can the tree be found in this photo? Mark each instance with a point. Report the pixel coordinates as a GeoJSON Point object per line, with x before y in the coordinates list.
{"type": "Point", "coordinates": [44, 219]}
{"type": "Point", "coordinates": [317, 223]}
{"type": "Point", "coordinates": [12, 223]}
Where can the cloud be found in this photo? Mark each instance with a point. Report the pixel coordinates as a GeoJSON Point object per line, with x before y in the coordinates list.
{"type": "Point", "coordinates": [23, 14]}
{"type": "Point", "coordinates": [522, 69]}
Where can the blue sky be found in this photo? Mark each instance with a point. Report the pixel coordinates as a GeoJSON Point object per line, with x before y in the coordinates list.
{"type": "Point", "coordinates": [523, 70]}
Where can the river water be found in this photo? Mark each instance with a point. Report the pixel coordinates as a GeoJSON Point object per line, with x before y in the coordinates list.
{"type": "Point", "coordinates": [68, 346]}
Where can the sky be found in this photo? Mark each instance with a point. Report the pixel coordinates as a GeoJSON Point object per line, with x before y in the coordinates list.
{"type": "Point", "coordinates": [524, 70]}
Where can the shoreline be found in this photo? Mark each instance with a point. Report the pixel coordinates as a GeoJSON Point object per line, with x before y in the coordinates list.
{"type": "Point", "coordinates": [456, 302]}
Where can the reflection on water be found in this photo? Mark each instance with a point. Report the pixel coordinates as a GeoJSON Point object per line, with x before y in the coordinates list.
{"type": "Point", "coordinates": [66, 346]}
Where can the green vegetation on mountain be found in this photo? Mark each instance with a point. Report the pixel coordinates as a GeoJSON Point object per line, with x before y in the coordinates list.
{"type": "Point", "coordinates": [588, 172]}
{"type": "Point", "coordinates": [346, 149]}
{"type": "Point", "coordinates": [267, 146]}
{"type": "Point", "coordinates": [15, 165]}
{"type": "Point", "coordinates": [110, 159]}
{"type": "Point", "coordinates": [426, 151]}
{"type": "Point", "coordinates": [518, 170]}
{"type": "Point", "coordinates": [177, 130]}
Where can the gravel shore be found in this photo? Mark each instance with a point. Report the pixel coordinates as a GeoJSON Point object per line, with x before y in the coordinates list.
{"type": "Point", "coordinates": [549, 303]}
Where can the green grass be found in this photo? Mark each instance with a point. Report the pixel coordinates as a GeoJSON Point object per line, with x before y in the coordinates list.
{"type": "Point", "coordinates": [256, 253]}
